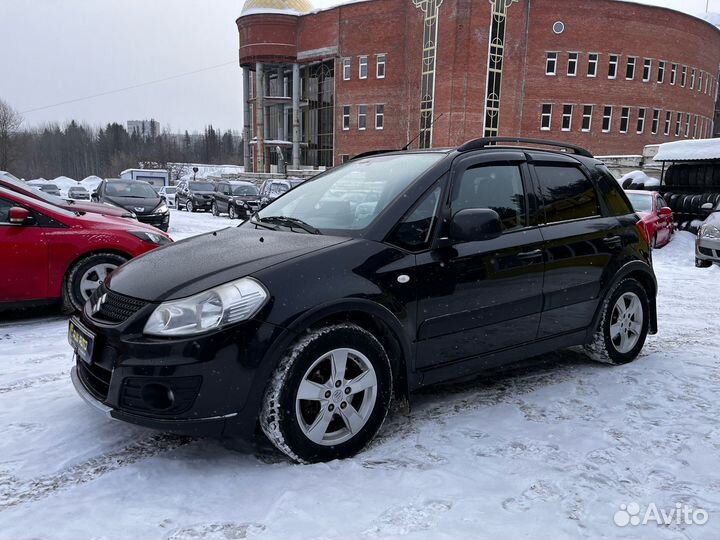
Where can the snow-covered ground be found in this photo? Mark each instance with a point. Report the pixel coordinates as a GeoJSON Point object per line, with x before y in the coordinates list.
{"type": "Point", "coordinates": [544, 451]}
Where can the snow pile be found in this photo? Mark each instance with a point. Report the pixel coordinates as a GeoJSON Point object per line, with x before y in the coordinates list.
{"type": "Point", "coordinates": [205, 171]}
{"type": "Point", "coordinates": [689, 150]}
{"type": "Point", "coordinates": [638, 179]}
{"type": "Point", "coordinates": [91, 182]}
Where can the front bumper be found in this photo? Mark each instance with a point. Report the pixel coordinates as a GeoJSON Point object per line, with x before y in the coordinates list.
{"type": "Point", "coordinates": [161, 221]}
{"type": "Point", "coordinates": [202, 204]}
{"type": "Point", "coordinates": [707, 249]}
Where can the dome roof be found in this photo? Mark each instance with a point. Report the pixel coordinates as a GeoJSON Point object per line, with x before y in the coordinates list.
{"type": "Point", "coordinates": [296, 7]}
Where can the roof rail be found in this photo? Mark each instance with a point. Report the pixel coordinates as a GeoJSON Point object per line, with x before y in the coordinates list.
{"type": "Point", "coordinates": [372, 153]}
{"type": "Point", "coordinates": [478, 144]}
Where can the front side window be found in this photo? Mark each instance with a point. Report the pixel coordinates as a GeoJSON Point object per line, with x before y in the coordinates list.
{"type": "Point", "coordinates": [630, 69]}
{"type": "Point", "coordinates": [414, 230]}
{"type": "Point", "coordinates": [347, 66]}
{"type": "Point", "coordinates": [498, 187]}
{"type": "Point", "coordinates": [587, 117]}
{"type": "Point", "coordinates": [546, 117]}
{"type": "Point", "coordinates": [362, 116]}
{"type": "Point", "coordinates": [592, 64]}
{"type": "Point", "coordinates": [566, 193]}
{"type": "Point", "coordinates": [380, 67]}
{"type": "Point", "coordinates": [624, 119]}
{"type": "Point", "coordinates": [572, 64]}
{"type": "Point", "coordinates": [567, 117]}
{"type": "Point", "coordinates": [613, 60]}
{"type": "Point", "coordinates": [607, 119]}
{"type": "Point", "coordinates": [379, 116]}
{"type": "Point", "coordinates": [551, 63]}
{"type": "Point", "coordinates": [346, 117]}
{"type": "Point", "coordinates": [363, 69]}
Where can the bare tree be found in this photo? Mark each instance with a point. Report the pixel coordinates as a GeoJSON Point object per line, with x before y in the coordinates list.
{"type": "Point", "coordinates": [10, 121]}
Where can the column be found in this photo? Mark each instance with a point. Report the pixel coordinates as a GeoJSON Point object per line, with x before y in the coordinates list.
{"type": "Point", "coordinates": [247, 120]}
{"type": "Point", "coordinates": [296, 117]}
{"type": "Point", "coordinates": [281, 106]}
{"type": "Point", "coordinates": [259, 114]}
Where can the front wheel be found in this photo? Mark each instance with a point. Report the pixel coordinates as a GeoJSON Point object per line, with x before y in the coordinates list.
{"type": "Point", "coordinates": [623, 325]}
{"type": "Point", "coordinates": [329, 395]}
{"type": "Point", "coordinates": [215, 211]}
{"type": "Point", "coordinates": [189, 206]}
{"type": "Point", "coordinates": [231, 212]}
{"type": "Point", "coordinates": [86, 276]}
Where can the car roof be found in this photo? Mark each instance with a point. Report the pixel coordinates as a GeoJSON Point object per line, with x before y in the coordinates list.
{"type": "Point", "coordinates": [639, 191]}
{"type": "Point", "coordinates": [239, 183]}
{"type": "Point", "coordinates": [31, 201]}
{"type": "Point", "coordinates": [126, 181]}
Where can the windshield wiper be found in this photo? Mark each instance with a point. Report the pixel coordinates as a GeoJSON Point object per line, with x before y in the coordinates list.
{"type": "Point", "coordinates": [263, 225]}
{"type": "Point", "coordinates": [291, 222]}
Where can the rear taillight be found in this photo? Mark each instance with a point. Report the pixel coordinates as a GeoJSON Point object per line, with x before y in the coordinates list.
{"type": "Point", "coordinates": [642, 227]}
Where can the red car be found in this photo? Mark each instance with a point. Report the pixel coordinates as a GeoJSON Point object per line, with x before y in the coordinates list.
{"type": "Point", "coordinates": [50, 254]}
{"type": "Point", "coordinates": [655, 213]}
{"type": "Point", "coordinates": [8, 181]}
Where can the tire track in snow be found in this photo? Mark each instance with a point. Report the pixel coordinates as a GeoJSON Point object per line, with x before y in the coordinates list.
{"type": "Point", "coordinates": [32, 381]}
{"type": "Point", "coordinates": [14, 491]}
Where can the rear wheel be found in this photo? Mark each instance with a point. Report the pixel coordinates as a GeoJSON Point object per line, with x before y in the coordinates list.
{"type": "Point", "coordinates": [86, 276]}
{"type": "Point", "coordinates": [189, 206]}
{"type": "Point", "coordinates": [329, 395]}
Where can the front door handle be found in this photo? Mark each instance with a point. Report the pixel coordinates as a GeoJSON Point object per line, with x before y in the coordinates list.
{"type": "Point", "coordinates": [535, 254]}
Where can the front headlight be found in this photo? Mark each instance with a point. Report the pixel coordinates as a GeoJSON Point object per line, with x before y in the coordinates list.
{"type": "Point", "coordinates": [162, 209]}
{"type": "Point", "coordinates": [709, 231]}
{"type": "Point", "coordinates": [227, 304]}
{"type": "Point", "coordinates": [151, 237]}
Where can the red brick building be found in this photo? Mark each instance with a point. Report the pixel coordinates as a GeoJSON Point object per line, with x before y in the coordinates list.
{"type": "Point", "coordinates": [608, 75]}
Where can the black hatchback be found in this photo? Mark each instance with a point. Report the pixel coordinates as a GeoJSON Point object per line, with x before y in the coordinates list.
{"type": "Point", "coordinates": [305, 320]}
{"type": "Point", "coordinates": [137, 197]}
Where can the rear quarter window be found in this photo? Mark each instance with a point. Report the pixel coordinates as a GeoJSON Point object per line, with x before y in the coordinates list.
{"type": "Point", "coordinates": [611, 192]}
{"type": "Point", "coordinates": [566, 193]}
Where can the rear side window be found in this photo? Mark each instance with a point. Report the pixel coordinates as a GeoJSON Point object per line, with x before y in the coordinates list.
{"type": "Point", "coordinates": [566, 193]}
{"type": "Point", "coordinates": [612, 193]}
{"type": "Point", "coordinates": [5, 207]}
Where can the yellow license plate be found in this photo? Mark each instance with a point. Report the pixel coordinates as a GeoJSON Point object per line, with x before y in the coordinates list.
{"type": "Point", "coordinates": [81, 340]}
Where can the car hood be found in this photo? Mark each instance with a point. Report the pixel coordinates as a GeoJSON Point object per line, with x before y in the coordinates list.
{"type": "Point", "coordinates": [143, 205]}
{"type": "Point", "coordinates": [95, 208]}
{"type": "Point", "coordinates": [713, 219]}
{"type": "Point", "coordinates": [202, 262]}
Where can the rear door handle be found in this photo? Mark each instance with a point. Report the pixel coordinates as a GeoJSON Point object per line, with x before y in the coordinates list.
{"type": "Point", "coordinates": [535, 254]}
{"type": "Point", "coordinates": [613, 241]}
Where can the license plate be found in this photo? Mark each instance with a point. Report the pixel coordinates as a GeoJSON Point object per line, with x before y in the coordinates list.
{"type": "Point", "coordinates": [81, 340]}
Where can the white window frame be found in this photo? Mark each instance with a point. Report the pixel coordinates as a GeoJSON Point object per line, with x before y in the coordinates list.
{"type": "Point", "coordinates": [380, 115]}
{"type": "Point", "coordinates": [551, 56]}
{"type": "Point", "coordinates": [614, 61]}
{"type": "Point", "coordinates": [363, 63]}
{"type": "Point", "coordinates": [544, 115]}
{"type": "Point", "coordinates": [668, 123]}
{"type": "Point", "coordinates": [661, 71]}
{"type": "Point", "coordinates": [655, 122]}
{"type": "Point", "coordinates": [693, 76]}
{"type": "Point", "coordinates": [673, 74]}
{"type": "Point", "coordinates": [346, 116]}
{"type": "Point", "coordinates": [347, 68]}
{"type": "Point", "coordinates": [363, 116]}
{"type": "Point", "coordinates": [683, 76]}
{"type": "Point", "coordinates": [647, 66]}
{"type": "Point", "coordinates": [380, 60]}
{"type": "Point", "coordinates": [678, 124]}
{"type": "Point", "coordinates": [594, 62]}
{"type": "Point", "coordinates": [567, 116]}
{"type": "Point", "coordinates": [687, 125]}
{"type": "Point", "coordinates": [624, 117]}
{"type": "Point", "coordinates": [642, 114]}
{"type": "Point", "coordinates": [695, 127]}
{"type": "Point", "coordinates": [631, 63]}
{"type": "Point", "coordinates": [607, 117]}
{"type": "Point", "coordinates": [572, 65]}
{"type": "Point", "coordinates": [587, 116]}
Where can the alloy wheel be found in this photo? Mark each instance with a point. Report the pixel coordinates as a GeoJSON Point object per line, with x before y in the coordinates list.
{"type": "Point", "coordinates": [626, 322]}
{"type": "Point", "coordinates": [92, 278]}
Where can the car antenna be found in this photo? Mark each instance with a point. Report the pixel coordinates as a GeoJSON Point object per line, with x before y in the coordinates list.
{"type": "Point", "coordinates": [420, 132]}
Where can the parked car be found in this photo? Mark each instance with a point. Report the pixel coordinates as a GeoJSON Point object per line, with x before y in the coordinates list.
{"type": "Point", "coordinates": [167, 193]}
{"type": "Point", "coordinates": [78, 193]}
{"type": "Point", "coordinates": [317, 314]}
{"type": "Point", "coordinates": [60, 256]}
{"type": "Point", "coordinates": [138, 197]}
{"type": "Point", "coordinates": [272, 189]}
{"type": "Point", "coordinates": [655, 213]}
{"type": "Point", "coordinates": [237, 199]}
{"type": "Point", "coordinates": [50, 189]}
{"type": "Point", "coordinates": [8, 181]}
{"type": "Point", "coordinates": [193, 196]}
{"type": "Point", "coordinates": [707, 242]}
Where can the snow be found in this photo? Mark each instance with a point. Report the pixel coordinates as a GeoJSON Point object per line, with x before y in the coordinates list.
{"type": "Point", "coordinates": [547, 450]}
{"type": "Point", "coordinates": [91, 182]}
{"type": "Point", "coordinates": [689, 150]}
{"type": "Point", "coordinates": [639, 178]}
{"type": "Point", "coordinates": [205, 171]}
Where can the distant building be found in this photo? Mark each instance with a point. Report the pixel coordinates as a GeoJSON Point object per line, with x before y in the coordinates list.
{"type": "Point", "coordinates": [155, 177]}
{"type": "Point", "coordinates": [144, 128]}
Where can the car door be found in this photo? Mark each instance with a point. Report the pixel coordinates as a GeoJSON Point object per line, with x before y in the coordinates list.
{"type": "Point", "coordinates": [480, 297]}
{"type": "Point", "coordinates": [26, 250]}
{"type": "Point", "coordinates": [581, 240]}
{"type": "Point", "coordinates": [219, 196]}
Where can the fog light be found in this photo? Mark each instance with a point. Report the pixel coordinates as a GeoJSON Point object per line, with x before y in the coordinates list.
{"type": "Point", "coordinates": [158, 396]}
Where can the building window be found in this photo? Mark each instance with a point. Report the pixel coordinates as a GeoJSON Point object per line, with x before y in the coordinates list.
{"type": "Point", "coordinates": [344, 158]}
{"type": "Point", "coordinates": [551, 63]}
{"type": "Point", "coordinates": [607, 119]}
{"type": "Point", "coordinates": [613, 60]}
{"type": "Point", "coordinates": [346, 117]}
{"type": "Point", "coordinates": [661, 72]}
{"type": "Point", "coordinates": [363, 71]}
{"type": "Point", "coordinates": [630, 70]}
{"type": "Point", "coordinates": [695, 127]}
{"type": "Point", "coordinates": [546, 117]}
{"type": "Point", "coordinates": [592, 64]}
{"type": "Point", "coordinates": [647, 69]}
{"type": "Point", "coordinates": [656, 121]}
{"type": "Point", "coordinates": [692, 79]}
{"type": "Point", "coordinates": [687, 125]}
{"type": "Point", "coordinates": [668, 120]}
{"type": "Point", "coordinates": [641, 120]}
{"type": "Point", "coordinates": [587, 118]}
{"type": "Point", "coordinates": [379, 116]}
{"type": "Point", "coordinates": [624, 119]}
{"type": "Point", "coordinates": [362, 116]}
{"type": "Point", "coordinates": [572, 64]}
{"type": "Point", "coordinates": [678, 124]}
{"type": "Point", "coordinates": [683, 77]}
{"type": "Point", "coordinates": [567, 117]}
{"type": "Point", "coordinates": [707, 79]}
{"type": "Point", "coordinates": [380, 66]}
{"type": "Point", "coordinates": [673, 74]}
{"type": "Point", "coordinates": [347, 66]}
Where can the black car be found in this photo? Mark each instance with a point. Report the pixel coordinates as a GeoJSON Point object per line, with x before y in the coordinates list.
{"type": "Point", "coordinates": [308, 317]}
{"type": "Point", "coordinates": [237, 199]}
{"type": "Point", "coordinates": [137, 197]}
{"type": "Point", "coordinates": [194, 195]}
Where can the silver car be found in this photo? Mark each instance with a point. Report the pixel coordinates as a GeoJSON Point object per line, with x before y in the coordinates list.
{"type": "Point", "coordinates": [707, 243]}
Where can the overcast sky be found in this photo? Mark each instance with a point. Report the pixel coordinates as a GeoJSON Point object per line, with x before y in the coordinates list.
{"type": "Point", "coordinates": [54, 51]}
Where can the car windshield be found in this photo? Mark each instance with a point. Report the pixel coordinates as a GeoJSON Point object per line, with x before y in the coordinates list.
{"type": "Point", "coordinates": [201, 186]}
{"type": "Point", "coordinates": [132, 189]}
{"type": "Point", "coordinates": [170, 190]}
{"type": "Point", "coordinates": [244, 190]}
{"type": "Point", "coordinates": [49, 187]}
{"type": "Point", "coordinates": [640, 202]}
{"type": "Point", "coordinates": [349, 197]}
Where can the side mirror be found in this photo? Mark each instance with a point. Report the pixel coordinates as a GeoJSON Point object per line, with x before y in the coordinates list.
{"type": "Point", "coordinates": [19, 216]}
{"type": "Point", "coordinates": [665, 211]}
{"type": "Point", "coordinates": [162, 197]}
{"type": "Point", "coordinates": [474, 225]}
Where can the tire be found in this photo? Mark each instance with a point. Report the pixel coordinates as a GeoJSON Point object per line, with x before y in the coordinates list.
{"type": "Point", "coordinates": [215, 210]}
{"type": "Point", "coordinates": [189, 206]}
{"type": "Point", "coordinates": [312, 430]}
{"type": "Point", "coordinates": [621, 347]}
{"type": "Point", "coordinates": [231, 212]}
{"type": "Point", "coordinates": [701, 263]}
{"type": "Point", "coordinates": [90, 270]}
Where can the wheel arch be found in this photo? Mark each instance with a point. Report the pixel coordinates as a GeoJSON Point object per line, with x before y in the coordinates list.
{"type": "Point", "coordinates": [86, 254]}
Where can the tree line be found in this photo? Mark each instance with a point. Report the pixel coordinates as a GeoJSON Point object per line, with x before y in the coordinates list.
{"type": "Point", "coordinates": [78, 150]}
